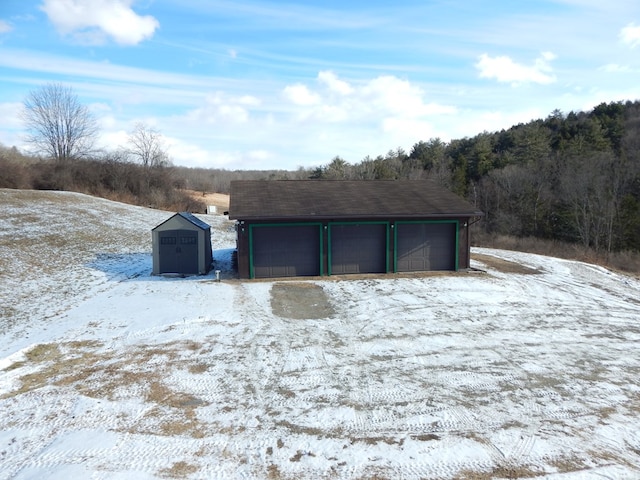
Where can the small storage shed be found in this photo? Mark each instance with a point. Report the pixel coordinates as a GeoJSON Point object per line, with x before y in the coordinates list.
{"type": "Point", "coordinates": [182, 244]}
{"type": "Point", "coordinates": [326, 227]}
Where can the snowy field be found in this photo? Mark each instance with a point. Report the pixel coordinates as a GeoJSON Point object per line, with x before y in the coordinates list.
{"type": "Point", "coordinates": [109, 373]}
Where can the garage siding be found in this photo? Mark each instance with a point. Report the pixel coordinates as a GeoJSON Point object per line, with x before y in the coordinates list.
{"type": "Point", "coordinates": [285, 250]}
{"type": "Point", "coordinates": [349, 247]}
{"type": "Point", "coordinates": [358, 248]}
{"type": "Point", "coordinates": [426, 246]}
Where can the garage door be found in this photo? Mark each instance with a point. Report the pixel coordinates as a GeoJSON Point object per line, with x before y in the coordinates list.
{"type": "Point", "coordinates": [285, 251]}
{"type": "Point", "coordinates": [425, 246]}
{"type": "Point", "coordinates": [358, 248]}
{"type": "Point", "coordinates": [178, 251]}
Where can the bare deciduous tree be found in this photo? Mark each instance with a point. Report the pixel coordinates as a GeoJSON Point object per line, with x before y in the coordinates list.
{"type": "Point", "coordinates": [59, 126]}
{"type": "Point", "coordinates": [146, 145]}
{"type": "Point", "coordinates": [590, 185]}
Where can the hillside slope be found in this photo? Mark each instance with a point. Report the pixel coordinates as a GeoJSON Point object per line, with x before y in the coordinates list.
{"type": "Point", "coordinates": [57, 247]}
{"type": "Point", "coordinates": [108, 372]}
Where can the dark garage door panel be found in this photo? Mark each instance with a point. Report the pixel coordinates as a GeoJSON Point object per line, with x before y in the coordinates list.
{"type": "Point", "coordinates": [359, 248]}
{"type": "Point", "coordinates": [178, 251]}
{"type": "Point", "coordinates": [426, 246]}
{"type": "Point", "coordinates": [286, 251]}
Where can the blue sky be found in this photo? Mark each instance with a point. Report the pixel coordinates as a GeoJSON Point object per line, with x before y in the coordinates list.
{"type": "Point", "coordinates": [262, 84]}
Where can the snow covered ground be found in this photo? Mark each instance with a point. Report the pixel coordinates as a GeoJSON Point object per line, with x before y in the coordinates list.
{"type": "Point", "coordinates": [107, 372]}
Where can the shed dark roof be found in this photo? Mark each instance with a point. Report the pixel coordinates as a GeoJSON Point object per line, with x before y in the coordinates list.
{"type": "Point", "coordinates": [264, 199]}
{"type": "Point", "coordinates": [188, 217]}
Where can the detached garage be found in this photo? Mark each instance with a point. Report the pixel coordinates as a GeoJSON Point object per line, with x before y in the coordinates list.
{"type": "Point", "coordinates": [288, 228]}
{"type": "Point", "coordinates": [182, 245]}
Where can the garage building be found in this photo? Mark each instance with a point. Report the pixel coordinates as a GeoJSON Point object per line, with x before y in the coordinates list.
{"type": "Point", "coordinates": [289, 228]}
{"type": "Point", "coordinates": [182, 245]}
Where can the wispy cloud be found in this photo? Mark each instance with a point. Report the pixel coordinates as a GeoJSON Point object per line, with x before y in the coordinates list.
{"type": "Point", "coordinates": [286, 16]}
{"type": "Point", "coordinates": [630, 35]}
{"type": "Point", "coordinates": [96, 21]}
{"type": "Point", "coordinates": [505, 70]}
{"type": "Point", "coordinates": [616, 68]}
{"type": "Point", "coordinates": [257, 83]}
{"type": "Point", "coordinates": [36, 62]}
{"type": "Point", "coordinates": [222, 108]}
{"type": "Point", "coordinates": [5, 27]}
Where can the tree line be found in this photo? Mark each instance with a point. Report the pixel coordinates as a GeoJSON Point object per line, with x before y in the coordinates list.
{"type": "Point", "coordinates": [569, 177]}
{"type": "Point", "coordinates": [62, 134]}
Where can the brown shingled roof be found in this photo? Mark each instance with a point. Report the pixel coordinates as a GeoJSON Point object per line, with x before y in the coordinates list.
{"type": "Point", "coordinates": [297, 199]}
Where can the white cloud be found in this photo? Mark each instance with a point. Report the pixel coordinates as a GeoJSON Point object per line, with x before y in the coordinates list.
{"type": "Point", "coordinates": [630, 35]}
{"type": "Point", "coordinates": [299, 94]}
{"type": "Point", "coordinates": [249, 100]}
{"type": "Point", "coordinates": [407, 131]}
{"type": "Point", "coordinates": [110, 140]}
{"type": "Point", "coordinates": [184, 152]}
{"type": "Point", "coordinates": [5, 27]}
{"type": "Point", "coordinates": [375, 100]}
{"type": "Point", "coordinates": [220, 108]}
{"type": "Point", "coordinates": [11, 126]}
{"type": "Point", "coordinates": [615, 68]}
{"type": "Point", "coordinates": [368, 116]}
{"type": "Point", "coordinates": [94, 21]}
{"type": "Point", "coordinates": [332, 81]}
{"type": "Point", "coordinates": [505, 70]}
{"type": "Point", "coordinates": [10, 115]}
{"type": "Point", "coordinates": [392, 95]}
{"type": "Point", "coordinates": [260, 155]}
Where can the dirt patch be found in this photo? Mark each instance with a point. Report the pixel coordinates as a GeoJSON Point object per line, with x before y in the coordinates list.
{"type": "Point", "coordinates": [220, 200]}
{"type": "Point", "coordinates": [300, 301]}
{"type": "Point", "coordinates": [504, 266]}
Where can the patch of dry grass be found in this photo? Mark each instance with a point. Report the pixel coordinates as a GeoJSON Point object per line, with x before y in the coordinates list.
{"type": "Point", "coordinates": [137, 373]}
{"type": "Point", "coordinates": [220, 200]}
{"type": "Point", "coordinates": [565, 464]}
{"type": "Point", "coordinates": [375, 440]}
{"type": "Point", "coordinates": [501, 471]}
{"type": "Point", "coordinates": [299, 454]}
{"type": "Point", "coordinates": [197, 368]}
{"type": "Point", "coordinates": [273, 472]}
{"type": "Point", "coordinates": [504, 266]}
{"type": "Point", "coordinates": [178, 470]}
{"type": "Point", "coordinates": [625, 261]}
{"type": "Point", "coordinates": [301, 429]}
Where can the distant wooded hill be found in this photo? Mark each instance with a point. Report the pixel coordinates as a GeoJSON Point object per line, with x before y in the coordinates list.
{"type": "Point", "coordinates": [571, 177]}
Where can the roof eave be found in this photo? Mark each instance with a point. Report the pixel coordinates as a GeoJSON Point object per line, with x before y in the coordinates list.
{"type": "Point", "coordinates": [324, 217]}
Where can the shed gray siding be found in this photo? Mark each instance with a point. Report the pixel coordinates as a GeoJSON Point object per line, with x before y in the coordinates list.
{"type": "Point", "coordinates": [182, 245]}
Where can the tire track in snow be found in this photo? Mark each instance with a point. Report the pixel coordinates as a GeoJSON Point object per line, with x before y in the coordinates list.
{"type": "Point", "coordinates": [418, 470]}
